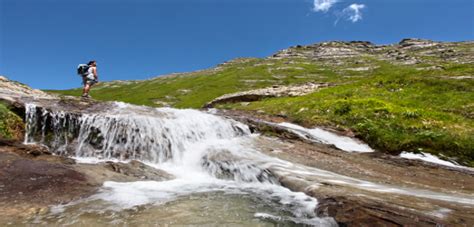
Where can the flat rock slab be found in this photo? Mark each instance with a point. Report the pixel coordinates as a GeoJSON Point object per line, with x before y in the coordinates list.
{"type": "Point", "coordinates": [32, 179]}
{"type": "Point", "coordinates": [274, 91]}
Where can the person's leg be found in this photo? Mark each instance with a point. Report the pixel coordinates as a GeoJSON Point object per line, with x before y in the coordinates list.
{"type": "Point", "coordinates": [84, 84]}
{"type": "Point", "coordinates": [85, 91]}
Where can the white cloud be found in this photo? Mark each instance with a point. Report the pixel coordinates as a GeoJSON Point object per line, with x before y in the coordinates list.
{"type": "Point", "coordinates": [353, 12]}
{"type": "Point", "coordinates": [323, 5]}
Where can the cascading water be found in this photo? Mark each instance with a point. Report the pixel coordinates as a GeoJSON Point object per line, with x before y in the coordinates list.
{"type": "Point", "coordinates": [126, 134]}
{"type": "Point", "coordinates": [205, 152]}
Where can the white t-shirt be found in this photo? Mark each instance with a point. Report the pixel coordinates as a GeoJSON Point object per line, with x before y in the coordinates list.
{"type": "Point", "coordinates": [90, 73]}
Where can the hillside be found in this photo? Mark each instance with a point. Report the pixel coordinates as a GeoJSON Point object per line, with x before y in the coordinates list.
{"type": "Point", "coordinates": [416, 95]}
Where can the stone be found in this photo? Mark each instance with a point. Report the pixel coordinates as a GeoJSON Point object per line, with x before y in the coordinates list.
{"type": "Point", "coordinates": [416, 43]}
{"type": "Point", "coordinates": [273, 91]}
{"type": "Point", "coordinates": [138, 170]}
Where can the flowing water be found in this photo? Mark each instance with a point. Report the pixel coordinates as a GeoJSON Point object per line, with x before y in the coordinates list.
{"type": "Point", "coordinates": [221, 176]}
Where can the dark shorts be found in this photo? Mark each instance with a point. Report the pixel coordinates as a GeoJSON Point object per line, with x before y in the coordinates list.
{"type": "Point", "coordinates": [89, 81]}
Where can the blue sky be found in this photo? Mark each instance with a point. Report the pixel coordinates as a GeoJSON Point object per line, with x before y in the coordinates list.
{"type": "Point", "coordinates": [42, 41]}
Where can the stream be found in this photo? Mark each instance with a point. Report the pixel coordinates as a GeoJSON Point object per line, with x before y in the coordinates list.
{"type": "Point", "coordinates": [221, 175]}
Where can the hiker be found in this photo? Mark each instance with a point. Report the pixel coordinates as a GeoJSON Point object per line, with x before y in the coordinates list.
{"type": "Point", "coordinates": [89, 78]}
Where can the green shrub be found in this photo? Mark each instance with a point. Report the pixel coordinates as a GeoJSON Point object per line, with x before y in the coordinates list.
{"type": "Point", "coordinates": [11, 125]}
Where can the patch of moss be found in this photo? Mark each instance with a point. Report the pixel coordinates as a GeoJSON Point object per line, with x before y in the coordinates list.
{"type": "Point", "coordinates": [11, 125]}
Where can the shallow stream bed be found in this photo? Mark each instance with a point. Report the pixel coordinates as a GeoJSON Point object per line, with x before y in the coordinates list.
{"type": "Point", "coordinates": [210, 209]}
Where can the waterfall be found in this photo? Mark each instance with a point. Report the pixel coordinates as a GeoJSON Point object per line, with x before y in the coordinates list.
{"type": "Point", "coordinates": [127, 134]}
{"type": "Point", "coordinates": [183, 137]}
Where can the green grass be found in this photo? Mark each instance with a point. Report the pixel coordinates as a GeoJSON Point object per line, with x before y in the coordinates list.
{"type": "Point", "coordinates": [11, 125]}
{"type": "Point", "coordinates": [397, 108]}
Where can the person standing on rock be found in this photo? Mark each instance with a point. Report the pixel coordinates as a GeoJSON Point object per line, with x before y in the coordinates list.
{"type": "Point", "coordinates": [90, 78]}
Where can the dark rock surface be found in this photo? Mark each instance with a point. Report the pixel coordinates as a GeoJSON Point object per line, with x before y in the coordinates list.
{"type": "Point", "coordinates": [349, 212]}
{"type": "Point", "coordinates": [138, 170]}
{"type": "Point", "coordinates": [32, 179]}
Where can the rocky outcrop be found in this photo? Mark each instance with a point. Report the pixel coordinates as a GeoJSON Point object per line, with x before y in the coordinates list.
{"type": "Point", "coordinates": [399, 56]}
{"type": "Point", "coordinates": [9, 88]}
{"type": "Point", "coordinates": [274, 91]}
{"type": "Point", "coordinates": [327, 50]}
{"type": "Point", "coordinates": [407, 52]}
{"type": "Point", "coordinates": [417, 43]}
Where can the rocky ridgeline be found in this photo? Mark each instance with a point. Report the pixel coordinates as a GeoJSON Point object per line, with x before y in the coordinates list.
{"type": "Point", "coordinates": [274, 91]}
{"type": "Point", "coordinates": [326, 50]}
{"type": "Point", "coordinates": [407, 51]}
{"type": "Point", "coordinates": [9, 88]}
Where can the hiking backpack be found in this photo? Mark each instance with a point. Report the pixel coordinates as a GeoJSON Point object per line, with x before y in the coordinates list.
{"type": "Point", "coordinates": [82, 69]}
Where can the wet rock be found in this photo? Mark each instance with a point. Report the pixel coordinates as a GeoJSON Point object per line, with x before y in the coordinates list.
{"type": "Point", "coordinates": [31, 179]}
{"type": "Point", "coordinates": [138, 170]}
{"type": "Point", "coordinates": [224, 165]}
{"type": "Point", "coordinates": [36, 151]}
{"type": "Point", "coordinates": [35, 179]}
{"type": "Point", "coordinates": [348, 212]}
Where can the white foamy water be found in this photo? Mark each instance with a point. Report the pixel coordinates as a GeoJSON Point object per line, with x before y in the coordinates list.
{"type": "Point", "coordinates": [322, 136]}
{"type": "Point", "coordinates": [95, 160]}
{"type": "Point", "coordinates": [431, 158]}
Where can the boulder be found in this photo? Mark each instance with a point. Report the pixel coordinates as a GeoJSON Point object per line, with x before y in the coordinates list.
{"type": "Point", "coordinates": [273, 91]}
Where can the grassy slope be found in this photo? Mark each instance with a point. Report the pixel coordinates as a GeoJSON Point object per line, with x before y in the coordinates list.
{"type": "Point", "coordinates": [392, 107]}
{"type": "Point", "coordinates": [11, 125]}
{"type": "Point", "coordinates": [195, 89]}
